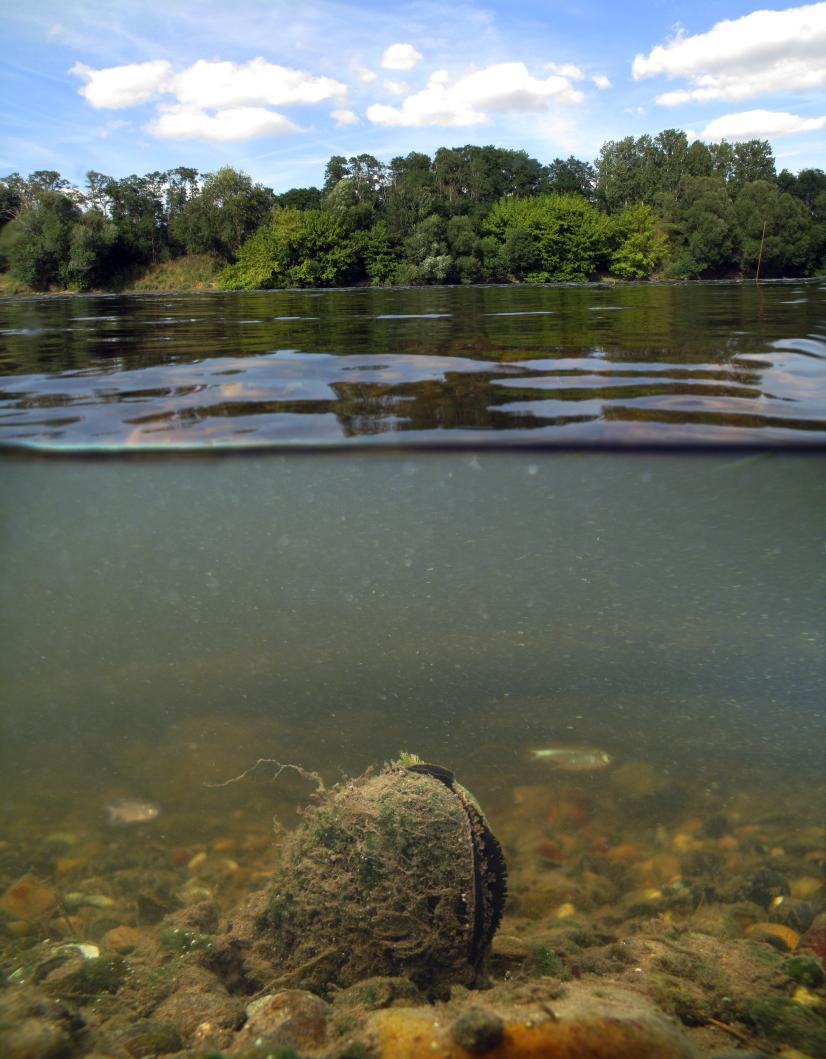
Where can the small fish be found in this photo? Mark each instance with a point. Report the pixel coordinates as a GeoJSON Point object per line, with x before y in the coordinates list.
{"type": "Point", "coordinates": [131, 811]}
{"type": "Point", "coordinates": [573, 758]}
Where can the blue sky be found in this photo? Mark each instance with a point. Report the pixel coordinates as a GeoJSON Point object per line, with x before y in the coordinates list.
{"type": "Point", "coordinates": [276, 88]}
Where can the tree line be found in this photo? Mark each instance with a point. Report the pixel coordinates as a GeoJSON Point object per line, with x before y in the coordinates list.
{"type": "Point", "coordinates": [646, 206]}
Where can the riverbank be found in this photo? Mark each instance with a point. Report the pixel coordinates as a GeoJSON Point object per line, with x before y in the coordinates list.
{"type": "Point", "coordinates": [193, 272]}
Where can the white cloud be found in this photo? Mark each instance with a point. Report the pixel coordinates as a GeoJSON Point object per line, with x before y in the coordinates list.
{"type": "Point", "coordinates": [344, 117]}
{"type": "Point", "coordinates": [506, 87]}
{"type": "Point", "coordinates": [214, 100]}
{"type": "Point", "coordinates": [233, 123]}
{"type": "Point", "coordinates": [601, 81]}
{"type": "Point", "coordinates": [759, 124]}
{"type": "Point", "coordinates": [400, 57]}
{"type": "Point", "coordinates": [566, 70]}
{"type": "Point", "coordinates": [765, 51]}
{"type": "Point", "coordinates": [254, 83]}
{"type": "Point", "coordinates": [362, 72]}
{"type": "Point", "coordinates": [122, 86]}
{"type": "Point", "coordinates": [397, 88]}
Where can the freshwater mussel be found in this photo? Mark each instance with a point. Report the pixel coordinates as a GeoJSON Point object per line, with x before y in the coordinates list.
{"type": "Point", "coordinates": [393, 873]}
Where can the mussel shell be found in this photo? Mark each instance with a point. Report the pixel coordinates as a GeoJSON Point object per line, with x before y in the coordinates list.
{"type": "Point", "coordinates": [490, 873]}
{"type": "Point", "coordinates": [394, 873]}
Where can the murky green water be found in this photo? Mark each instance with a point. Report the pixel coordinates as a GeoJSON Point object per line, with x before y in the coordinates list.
{"type": "Point", "coordinates": [466, 606]}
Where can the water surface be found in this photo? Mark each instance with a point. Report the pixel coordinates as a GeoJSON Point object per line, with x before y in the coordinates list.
{"type": "Point", "coordinates": [638, 364]}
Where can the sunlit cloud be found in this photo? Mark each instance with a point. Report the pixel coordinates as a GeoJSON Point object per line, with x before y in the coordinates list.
{"type": "Point", "coordinates": [765, 51]}
{"type": "Point", "coordinates": [566, 70]}
{"type": "Point", "coordinates": [344, 117]}
{"type": "Point", "coordinates": [122, 86]}
{"type": "Point", "coordinates": [400, 57]}
{"type": "Point", "coordinates": [214, 100]}
{"type": "Point", "coordinates": [601, 81]}
{"type": "Point", "coordinates": [233, 123]}
{"type": "Point", "coordinates": [759, 124]}
{"type": "Point", "coordinates": [257, 82]}
{"type": "Point", "coordinates": [397, 88]}
{"type": "Point", "coordinates": [503, 88]}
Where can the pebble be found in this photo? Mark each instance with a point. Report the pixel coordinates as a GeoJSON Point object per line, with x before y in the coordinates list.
{"type": "Point", "coordinates": [478, 1031]}
{"type": "Point", "coordinates": [774, 934]}
{"type": "Point", "coordinates": [35, 1039]}
{"type": "Point", "coordinates": [506, 947]}
{"type": "Point", "coordinates": [805, 887]}
{"type": "Point", "coordinates": [290, 1018]}
{"type": "Point", "coordinates": [150, 1038]}
{"type": "Point", "coordinates": [793, 912]}
{"type": "Point", "coordinates": [379, 992]}
{"type": "Point", "coordinates": [28, 898]}
{"type": "Point", "coordinates": [764, 886]}
{"type": "Point", "coordinates": [74, 900]}
{"type": "Point", "coordinates": [122, 939]}
{"type": "Point", "coordinates": [17, 928]}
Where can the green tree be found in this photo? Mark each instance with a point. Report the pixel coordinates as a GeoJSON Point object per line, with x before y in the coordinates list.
{"type": "Point", "coordinates": [788, 247]}
{"type": "Point", "coordinates": [702, 228]}
{"type": "Point", "coordinates": [91, 244]}
{"type": "Point", "coordinates": [295, 248]}
{"type": "Point", "coordinates": [569, 238]}
{"type": "Point", "coordinates": [379, 257]}
{"type": "Point", "coordinates": [618, 174]}
{"type": "Point", "coordinates": [751, 160]}
{"type": "Point", "coordinates": [427, 258]}
{"type": "Point", "coordinates": [227, 211]}
{"type": "Point", "coordinates": [570, 176]}
{"type": "Point", "coordinates": [638, 245]}
{"type": "Point", "coordinates": [40, 239]}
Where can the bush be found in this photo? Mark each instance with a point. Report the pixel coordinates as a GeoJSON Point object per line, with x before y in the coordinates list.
{"type": "Point", "coordinates": [550, 237]}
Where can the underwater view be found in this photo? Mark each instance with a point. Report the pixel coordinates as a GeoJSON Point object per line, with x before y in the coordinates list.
{"type": "Point", "coordinates": [414, 673]}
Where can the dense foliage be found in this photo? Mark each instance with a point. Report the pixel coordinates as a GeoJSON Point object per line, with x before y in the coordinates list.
{"type": "Point", "coordinates": [650, 205]}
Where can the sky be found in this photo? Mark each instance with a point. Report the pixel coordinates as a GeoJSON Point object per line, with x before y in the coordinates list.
{"type": "Point", "coordinates": [275, 88]}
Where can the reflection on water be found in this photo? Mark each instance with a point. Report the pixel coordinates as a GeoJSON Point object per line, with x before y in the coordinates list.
{"type": "Point", "coordinates": [632, 364]}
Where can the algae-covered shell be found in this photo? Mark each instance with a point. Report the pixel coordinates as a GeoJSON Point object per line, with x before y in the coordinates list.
{"type": "Point", "coordinates": [394, 873]}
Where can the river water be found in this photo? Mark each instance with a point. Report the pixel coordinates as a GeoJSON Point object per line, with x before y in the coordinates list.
{"type": "Point", "coordinates": [169, 617]}
{"type": "Point", "coordinates": [637, 364]}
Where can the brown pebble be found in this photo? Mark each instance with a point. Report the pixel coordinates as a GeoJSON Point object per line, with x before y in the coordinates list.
{"type": "Point", "coordinates": [122, 939]}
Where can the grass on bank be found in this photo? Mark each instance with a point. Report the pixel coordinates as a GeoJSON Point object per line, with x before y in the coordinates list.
{"type": "Point", "coordinates": [191, 272]}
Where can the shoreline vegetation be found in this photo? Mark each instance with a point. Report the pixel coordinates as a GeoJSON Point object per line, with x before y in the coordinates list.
{"type": "Point", "coordinates": [647, 208]}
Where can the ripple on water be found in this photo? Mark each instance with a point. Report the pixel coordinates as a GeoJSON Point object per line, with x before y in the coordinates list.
{"type": "Point", "coordinates": [515, 364]}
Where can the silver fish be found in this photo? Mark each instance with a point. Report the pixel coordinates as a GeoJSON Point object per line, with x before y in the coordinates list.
{"type": "Point", "coordinates": [572, 758]}
{"type": "Point", "coordinates": [131, 811]}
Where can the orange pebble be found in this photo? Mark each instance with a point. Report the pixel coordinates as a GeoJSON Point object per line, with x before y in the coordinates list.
{"type": "Point", "coordinates": [776, 934]}
{"type": "Point", "coordinates": [66, 864]}
{"type": "Point", "coordinates": [224, 845]}
{"type": "Point", "coordinates": [624, 851]}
